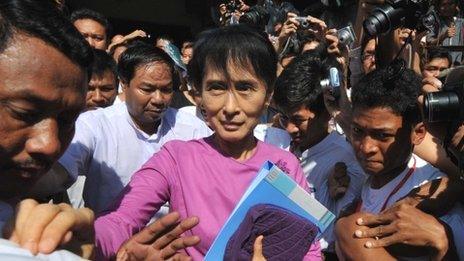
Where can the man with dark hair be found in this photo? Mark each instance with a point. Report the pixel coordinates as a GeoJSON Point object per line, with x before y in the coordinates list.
{"type": "Point", "coordinates": [103, 85]}
{"type": "Point", "coordinates": [386, 126]}
{"type": "Point", "coordinates": [434, 62]}
{"type": "Point", "coordinates": [43, 78]}
{"type": "Point", "coordinates": [299, 96]}
{"type": "Point", "coordinates": [112, 143]}
{"type": "Point", "coordinates": [93, 26]}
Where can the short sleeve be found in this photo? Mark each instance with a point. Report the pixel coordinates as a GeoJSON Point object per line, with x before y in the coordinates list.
{"type": "Point", "coordinates": [76, 158]}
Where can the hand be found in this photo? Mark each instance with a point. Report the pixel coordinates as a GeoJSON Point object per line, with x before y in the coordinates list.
{"type": "Point", "coordinates": [134, 34]}
{"type": "Point", "coordinates": [338, 181]}
{"type": "Point", "coordinates": [431, 84]}
{"type": "Point", "coordinates": [317, 27]}
{"type": "Point", "coordinates": [258, 250]}
{"type": "Point", "coordinates": [160, 240]}
{"type": "Point", "coordinates": [44, 227]}
{"type": "Point", "coordinates": [451, 32]}
{"type": "Point", "coordinates": [222, 9]}
{"type": "Point", "coordinates": [288, 28]}
{"type": "Point", "coordinates": [404, 33]}
{"type": "Point", "coordinates": [404, 224]}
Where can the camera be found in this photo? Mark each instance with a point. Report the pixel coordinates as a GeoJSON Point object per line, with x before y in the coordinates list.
{"type": "Point", "coordinates": [332, 83]}
{"type": "Point", "coordinates": [346, 35]}
{"type": "Point", "coordinates": [257, 17]}
{"type": "Point", "coordinates": [304, 24]}
{"type": "Point", "coordinates": [448, 104]}
{"type": "Point", "coordinates": [412, 14]}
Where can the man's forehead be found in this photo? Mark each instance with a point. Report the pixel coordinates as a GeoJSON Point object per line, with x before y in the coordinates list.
{"type": "Point", "coordinates": [376, 117]}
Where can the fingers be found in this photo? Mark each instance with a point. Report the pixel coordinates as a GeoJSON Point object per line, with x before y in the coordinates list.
{"type": "Point", "coordinates": [38, 219]}
{"type": "Point", "coordinates": [156, 228]}
{"type": "Point", "coordinates": [60, 230]}
{"type": "Point", "coordinates": [23, 210]}
{"type": "Point", "coordinates": [179, 244]}
{"type": "Point", "coordinates": [383, 242]}
{"type": "Point", "coordinates": [373, 220]}
{"type": "Point", "coordinates": [258, 249]}
{"type": "Point", "coordinates": [175, 233]}
{"type": "Point", "coordinates": [379, 231]}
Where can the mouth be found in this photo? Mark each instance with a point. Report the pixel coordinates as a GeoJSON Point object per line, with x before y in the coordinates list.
{"type": "Point", "coordinates": [231, 126]}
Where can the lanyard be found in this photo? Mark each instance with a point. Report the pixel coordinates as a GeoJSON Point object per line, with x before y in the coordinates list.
{"type": "Point", "coordinates": [396, 189]}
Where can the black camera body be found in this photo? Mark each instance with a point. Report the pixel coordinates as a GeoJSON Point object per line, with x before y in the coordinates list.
{"type": "Point", "coordinates": [412, 14]}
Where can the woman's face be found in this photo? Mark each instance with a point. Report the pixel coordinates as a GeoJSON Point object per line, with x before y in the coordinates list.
{"type": "Point", "coordinates": [233, 103]}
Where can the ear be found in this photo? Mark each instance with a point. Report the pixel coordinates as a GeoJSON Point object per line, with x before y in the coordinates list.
{"type": "Point", "coordinates": [418, 133]}
{"type": "Point", "coordinates": [268, 98]}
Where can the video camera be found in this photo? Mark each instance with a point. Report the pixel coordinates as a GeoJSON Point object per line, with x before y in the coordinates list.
{"type": "Point", "coordinates": [412, 14]}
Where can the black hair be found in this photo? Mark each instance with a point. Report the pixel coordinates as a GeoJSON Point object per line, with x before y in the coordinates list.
{"type": "Point", "coordinates": [140, 54]}
{"type": "Point", "coordinates": [436, 53]}
{"type": "Point", "coordinates": [92, 15]}
{"type": "Point", "coordinates": [385, 88]}
{"type": "Point", "coordinates": [238, 43]}
{"type": "Point", "coordinates": [42, 19]}
{"type": "Point", "coordinates": [299, 83]}
{"type": "Point", "coordinates": [104, 62]}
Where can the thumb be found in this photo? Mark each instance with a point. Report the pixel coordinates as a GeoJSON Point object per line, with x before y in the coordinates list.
{"type": "Point", "coordinates": [258, 249]}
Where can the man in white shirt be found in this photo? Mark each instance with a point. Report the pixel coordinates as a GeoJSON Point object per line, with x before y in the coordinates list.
{"type": "Point", "coordinates": [386, 126]}
{"type": "Point", "coordinates": [111, 144]}
{"type": "Point", "coordinates": [298, 94]}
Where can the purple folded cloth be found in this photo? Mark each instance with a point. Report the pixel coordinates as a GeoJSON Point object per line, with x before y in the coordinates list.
{"type": "Point", "coordinates": [287, 236]}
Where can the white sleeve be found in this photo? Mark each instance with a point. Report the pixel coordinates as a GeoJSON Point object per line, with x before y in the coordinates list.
{"type": "Point", "coordinates": [77, 157]}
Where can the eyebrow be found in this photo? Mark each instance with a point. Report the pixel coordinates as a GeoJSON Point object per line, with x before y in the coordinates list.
{"type": "Point", "coordinates": [372, 129]}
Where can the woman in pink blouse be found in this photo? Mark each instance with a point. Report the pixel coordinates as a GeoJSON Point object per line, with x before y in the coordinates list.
{"type": "Point", "coordinates": [234, 69]}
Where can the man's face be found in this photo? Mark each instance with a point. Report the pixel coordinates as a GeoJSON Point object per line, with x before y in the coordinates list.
{"type": "Point", "coordinates": [149, 93]}
{"type": "Point", "coordinates": [448, 8]}
{"type": "Point", "coordinates": [380, 140]}
{"type": "Point", "coordinates": [102, 90]}
{"type": "Point", "coordinates": [41, 94]}
{"type": "Point", "coordinates": [434, 67]}
{"type": "Point", "coordinates": [368, 57]}
{"type": "Point", "coordinates": [187, 55]}
{"type": "Point", "coordinates": [93, 32]}
{"type": "Point", "coordinates": [303, 125]}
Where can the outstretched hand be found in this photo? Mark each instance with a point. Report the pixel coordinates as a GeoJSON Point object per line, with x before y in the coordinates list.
{"type": "Point", "coordinates": [161, 240]}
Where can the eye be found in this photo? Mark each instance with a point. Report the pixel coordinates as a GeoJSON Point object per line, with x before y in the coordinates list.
{"type": "Point", "coordinates": [382, 136]}
{"type": "Point", "coordinates": [356, 131]}
{"type": "Point", "coordinates": [24, 115]}
{"type": "Point", "coordinates": [167, 90]}
{"type": "Point", "coordinates": [216, 88]}
{"type": "Point", "coordinates": [244, 87]}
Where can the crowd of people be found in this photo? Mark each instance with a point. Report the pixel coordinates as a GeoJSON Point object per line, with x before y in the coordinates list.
{"type": "Point", "coordinates": [127, 147]}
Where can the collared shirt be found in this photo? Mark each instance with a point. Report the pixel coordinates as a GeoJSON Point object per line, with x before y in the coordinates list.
{"type": "Point", "coordinates": [374, 199]}
{"type": "Point", "coordinates": [318, 164]}
{"type": "Point", "coordinates": [108, 148]}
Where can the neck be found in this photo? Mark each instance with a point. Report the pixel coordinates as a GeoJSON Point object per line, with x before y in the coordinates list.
{"type": "Point", "coordinates": [318, 137]}
{"type": "Point", "coordinates": [382, 179]}
{"type": "Point", "coordinates": [148, 128]}
{"type": "Point", "coordinates": [241, 150]}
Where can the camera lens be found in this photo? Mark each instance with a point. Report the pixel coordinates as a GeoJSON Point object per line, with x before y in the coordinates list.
{"type": "Point", "coordinates": [441, 106]}
{"type": "Point", "coordinates": [383, 19]}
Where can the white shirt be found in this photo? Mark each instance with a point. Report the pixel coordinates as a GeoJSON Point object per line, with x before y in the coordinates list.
{"type": "Point", "coordinates": [108, 148]}
{"type": "Point", "coordinates": [373, 199]}
{"type": "Point", "coordinates": [318, 163]}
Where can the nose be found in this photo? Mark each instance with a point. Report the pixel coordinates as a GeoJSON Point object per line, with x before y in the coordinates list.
{"type": "Point", "coordinates": [231, 105]}
{"type": "Point", "coordinates": [157, 98]}
{"type": "Point", "coordinates": [44, 140]}
{"type": "Point", "coordinates": [368, 146]}
{"type": "Point", "coordinates": [97, 96]}
{"type": "Point", "coordinates": [436, 73]}
{"type": "Point", "coordinates": [91, 41]}
{"type": "Point", "coordinates": [291, 128]}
